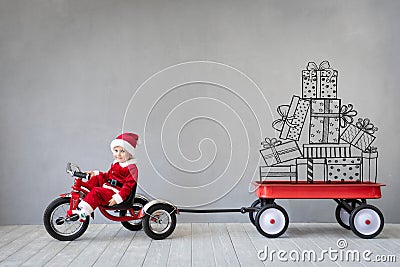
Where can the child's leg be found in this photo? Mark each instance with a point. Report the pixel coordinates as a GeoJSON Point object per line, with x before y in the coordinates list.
{"type": "Point", "coordinates": [94, 182]}
{"type": "Point", "coordinates": [96, 197]}
{"type": "Point", "coordinates": [84, 209]}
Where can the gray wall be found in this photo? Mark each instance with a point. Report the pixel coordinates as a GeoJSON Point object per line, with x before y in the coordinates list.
{"type": "Point", "coordinates": [74, 73]}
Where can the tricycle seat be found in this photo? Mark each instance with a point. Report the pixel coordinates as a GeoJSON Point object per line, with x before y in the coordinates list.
{"type": "Point", "coordinates": [126, 204]}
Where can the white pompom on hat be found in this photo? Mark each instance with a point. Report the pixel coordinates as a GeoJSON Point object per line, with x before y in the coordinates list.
{"type": "Point", "coordinates": [127, 141]}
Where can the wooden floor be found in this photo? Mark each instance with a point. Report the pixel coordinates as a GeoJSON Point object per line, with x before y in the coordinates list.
{"type": "Point", "coordinates": [196, 244]}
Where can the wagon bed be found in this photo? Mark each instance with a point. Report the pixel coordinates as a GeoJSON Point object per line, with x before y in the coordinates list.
{"type": "Point", "coordinates": [317, 190]}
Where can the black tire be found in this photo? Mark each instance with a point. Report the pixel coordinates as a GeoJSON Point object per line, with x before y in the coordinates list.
{"type": "Point", "coordinates": [342, 216]}
{"type": "Point", "coordinates": [272, 220]}
{"type": "Point", "coordinates": [57, 226]}
{"type": "Point", "coordinates": [134, 225]}
{"type": "Point", "coordinates": [159, 221]}
{"type": "Point", "coordinates": [252, 215]}
{"type": "Point", "coordinates": [366, 221]}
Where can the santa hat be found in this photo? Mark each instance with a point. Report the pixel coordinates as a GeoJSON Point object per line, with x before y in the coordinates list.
{"type": "Point", "coordinates": [127, 141]}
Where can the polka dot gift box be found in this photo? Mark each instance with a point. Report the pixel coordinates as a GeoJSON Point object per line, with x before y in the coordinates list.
{"type": "Point", "coordinates": [319, 81]}
{"type": "Point", "coordinates": [292, 118]}
{"type": "Point", "coordinates": [344, 169]}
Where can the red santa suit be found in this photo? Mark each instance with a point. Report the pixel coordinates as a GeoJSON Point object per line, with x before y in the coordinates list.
{"type": "Point", "coordinates": [117, 183]}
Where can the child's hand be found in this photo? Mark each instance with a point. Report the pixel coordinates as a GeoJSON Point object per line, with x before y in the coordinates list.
{"type": "Point", "coordinates": [91, 173]}
{"type": "Point", "coordinates": [112, 202]}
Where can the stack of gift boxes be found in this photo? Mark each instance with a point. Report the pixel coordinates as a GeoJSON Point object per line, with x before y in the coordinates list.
{"type": "Point", "coordinates": [338, 148]}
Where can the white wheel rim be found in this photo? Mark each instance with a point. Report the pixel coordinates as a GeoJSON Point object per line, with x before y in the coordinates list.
{"type": "Point", "coordinates": [160, 221]}
{"type": "Point", "coordinates": [68, 228]}
{"type": "Point", "coordinates": [345, 217]}
{"type": "Point", "coordinates": [272, 221]}
{"type": "Point", "coordinates": [367, 221]}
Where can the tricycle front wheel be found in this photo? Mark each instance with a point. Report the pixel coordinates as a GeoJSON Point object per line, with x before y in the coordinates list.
{"type": "Point", "coordinates": [60, 227]}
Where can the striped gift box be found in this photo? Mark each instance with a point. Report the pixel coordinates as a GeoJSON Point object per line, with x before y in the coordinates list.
{"type": "Point", "coordinates": [278, 173]}
{"type": "Point", "coordinates": [311, 170]}
{"type": "Point", "coordinates": [277, 152]}
{"type": "Point", "coordinates": [369, 165]}
{"type": "Point", "coordinates": [326, 150]}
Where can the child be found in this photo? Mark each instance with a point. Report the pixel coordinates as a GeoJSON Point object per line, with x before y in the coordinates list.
{"type": "Point", "coordinates": [114, 186]}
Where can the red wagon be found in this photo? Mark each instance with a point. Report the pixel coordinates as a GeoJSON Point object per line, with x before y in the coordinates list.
{"type": "Point", "coordinates": [352, 212]}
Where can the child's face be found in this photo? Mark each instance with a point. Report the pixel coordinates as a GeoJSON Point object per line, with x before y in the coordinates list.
{"type": "Point", "coordinates": [121, 155]}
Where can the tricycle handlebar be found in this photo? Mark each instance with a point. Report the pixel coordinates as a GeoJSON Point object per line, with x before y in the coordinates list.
{"type": "Point", "coordinates": [74, 170]}
{"type": "Point", "coordinates": [81, 175]}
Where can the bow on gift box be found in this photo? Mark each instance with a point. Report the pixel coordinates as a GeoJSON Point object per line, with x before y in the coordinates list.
{"type": "Point", "coordinates": [270, 142]}
{"type": "Point", "coordinates": [313, 67]}
{"type": "Point", "coordinates": [346, 115]}
{"type": "Point", "coordinates": [283, 111]}
{"type": "Point", "coordinates": [371, 149]}
{"type": "Point", "coordinates": [366, 125]}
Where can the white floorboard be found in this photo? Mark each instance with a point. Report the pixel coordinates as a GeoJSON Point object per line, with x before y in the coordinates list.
{"type": "Point", "coordinates": [224, 252]}
{"type": "Point", "coordinates": [181, 246]}
{"type": "Point", "coordinates": [202, 249]}
{"type": "Point", "coordinates": [192, 244]}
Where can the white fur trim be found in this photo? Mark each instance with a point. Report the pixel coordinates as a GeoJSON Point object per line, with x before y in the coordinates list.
{"type": "Point", "coordinates": [86, 207]}
{"type": "Point", "coordinates": [128, 162]}
{"type": "Point", "coordinates": [117, 198]}
{"type": "Point", "coordinates": [96, 172]}
{"type": "Point", "coordinates": [115, 190]}
{"type": "Point", "coordinates": [122, 143]}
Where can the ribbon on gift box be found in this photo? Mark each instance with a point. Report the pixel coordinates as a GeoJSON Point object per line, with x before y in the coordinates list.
{"type": "Point", "coordinates": [347, 114]}
{"type": "Point", "coordinates": [271, 143]}
{"type": "Point", "coordinates": [283, 111]}
{"type": "Point", "coordinates": [366, 126]}
{"type": "Point", "coordinates": [324, 65]}
{"type": "Point", "coordinates": [371, 149]}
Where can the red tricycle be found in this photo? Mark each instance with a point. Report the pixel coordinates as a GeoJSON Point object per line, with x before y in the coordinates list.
{"type": "Point", "coordinates": [157, 217]}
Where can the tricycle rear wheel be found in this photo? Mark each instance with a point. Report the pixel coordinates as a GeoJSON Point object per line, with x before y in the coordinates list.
{"type": "Point", "coordinates": [134, 225]}
{"type": "Point", "coordinates": [58, 226]}
{"type": "Point", "coordinates": [159, 221]}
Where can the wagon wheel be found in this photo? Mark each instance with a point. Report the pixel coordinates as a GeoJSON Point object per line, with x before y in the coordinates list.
{"type": "Point", "coordinates": [272, 220]}
{"type": "Point", "coordinates": [252, 214]}
{"type": "Point", "coordinates": [258, 204]}
{"type": "Point", "coordinates": [366, 221]}
{"type": "Point", "coordinates": [342, 216]}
